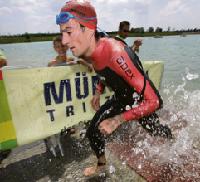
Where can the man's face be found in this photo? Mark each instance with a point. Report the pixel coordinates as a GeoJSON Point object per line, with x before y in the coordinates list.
{"type": "Point", "coordinates": [77, 38]}
{"type": "Point", "coordinates": [125, 31]}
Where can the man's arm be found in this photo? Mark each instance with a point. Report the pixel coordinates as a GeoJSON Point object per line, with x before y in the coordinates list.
{"type": "Point", "coordinates": [123, 66]}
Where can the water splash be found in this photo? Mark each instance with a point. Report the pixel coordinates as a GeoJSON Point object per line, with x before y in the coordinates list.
{"type": "Point", "coordinates": [191, 76]}
{"type": "Point", "coordinates": [182, 113]}
{"type": "Point", "coordinates": [184, 117]}
{"type": "Point", "coordinates": [112, 169]}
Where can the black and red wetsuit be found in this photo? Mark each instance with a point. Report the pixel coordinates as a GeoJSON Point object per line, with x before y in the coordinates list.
{"type": "Point", "coordinates": [116, 69]}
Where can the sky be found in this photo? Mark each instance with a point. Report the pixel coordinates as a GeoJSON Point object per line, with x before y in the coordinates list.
{"type": "Point", "coordinates": [33, 16]}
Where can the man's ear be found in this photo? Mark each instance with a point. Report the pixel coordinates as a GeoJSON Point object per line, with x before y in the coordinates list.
{"type": "Point", "coordinates": [92, 32]}
{"type": "Point", "coordinates": [82, 28]}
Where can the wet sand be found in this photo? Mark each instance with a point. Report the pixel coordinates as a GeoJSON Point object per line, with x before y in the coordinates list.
{"type": "Point", "coordinates": [32, 163]}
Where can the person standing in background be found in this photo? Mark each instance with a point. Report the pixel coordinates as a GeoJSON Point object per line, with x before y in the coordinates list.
{"type": "Point", "coordinates": [62, 59]}
{"type": "Point", "coordinates": [3, 59]}
{"type": "Point", "coordinates": [123, 32]}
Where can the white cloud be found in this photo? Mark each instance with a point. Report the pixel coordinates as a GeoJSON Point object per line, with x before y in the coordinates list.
{"type": "Point", "coordinates": [174, 7]}
{"type": "Point", "coordinates": [178, 14]}
{"type": "Point", "coordinates": [19, 16]}
{"type": "Point", "coordinates": [5, 10]}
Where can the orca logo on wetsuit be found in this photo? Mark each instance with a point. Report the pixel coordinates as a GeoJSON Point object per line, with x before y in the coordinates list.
{"type": "Point", "coordinates": [121, 62]}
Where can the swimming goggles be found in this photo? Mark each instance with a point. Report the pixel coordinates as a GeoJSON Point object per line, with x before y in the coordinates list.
{"type": "Point", "coordinates": [64, 17]}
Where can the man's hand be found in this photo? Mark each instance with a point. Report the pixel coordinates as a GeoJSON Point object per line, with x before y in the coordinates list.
{"type": "Point", "coordinates": [109, 125]}
{"type": "Point", "coordinates": [95, 102]}
{"type": "Point", "coordinates": [85, 63]}
{"type": "Point", "coordinates": [136, 45]}
{"type": "Point", "coordinates": [70, 59]}
{"type": "Point", "coordinates": [138, 42]}
{"type": "Point", "coordinates": [90, 67]}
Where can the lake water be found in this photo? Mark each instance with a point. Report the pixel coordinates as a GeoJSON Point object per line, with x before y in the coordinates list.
{"type": "Point", "coordinates": [180, 85]}
{"type": "Point", "coordinates": [181, 56]}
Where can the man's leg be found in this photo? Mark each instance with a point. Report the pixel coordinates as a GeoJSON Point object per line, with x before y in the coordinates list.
{"type": "Point", "coordinates": [96, 138]}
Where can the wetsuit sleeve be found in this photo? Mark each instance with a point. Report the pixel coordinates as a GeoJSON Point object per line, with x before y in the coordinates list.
{"type": "Point", "coordinates": [124, 67]}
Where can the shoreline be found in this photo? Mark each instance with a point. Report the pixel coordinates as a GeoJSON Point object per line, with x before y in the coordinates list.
{"type": "Point", "coordinates": [40, 37]}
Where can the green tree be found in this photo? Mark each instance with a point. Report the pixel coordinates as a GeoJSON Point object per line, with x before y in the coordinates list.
{"type": "Point", "coordinates": [27, 37]}
{"type": "Point", "coordinates": [158, 29]}
{"type": "Point", "coordinates": [151, 29]}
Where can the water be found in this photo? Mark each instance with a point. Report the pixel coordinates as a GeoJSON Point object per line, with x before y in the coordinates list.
{"type": "Point", "coordinates": [180, 90]}
{"type": "Point", "coordinates": [178, 54]}
{"type": "Point", "coordinates": [35, 54]}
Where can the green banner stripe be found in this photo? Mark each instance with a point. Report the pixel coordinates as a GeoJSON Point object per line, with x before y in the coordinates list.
{"type": "Point", "coordinates": [5, 114]}
{"type": "Point", "coordinates": [8, 144]}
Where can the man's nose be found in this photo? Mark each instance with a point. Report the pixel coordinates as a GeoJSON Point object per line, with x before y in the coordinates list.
{"type": "Point", "coordinates": [65, 39]}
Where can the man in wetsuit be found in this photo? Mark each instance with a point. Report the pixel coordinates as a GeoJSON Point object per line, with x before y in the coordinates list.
{"type": "Point", "coordinates": [117, 67]}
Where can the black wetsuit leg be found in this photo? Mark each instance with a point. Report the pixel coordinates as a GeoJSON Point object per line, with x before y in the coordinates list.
{"type": "Point", "coordinates": [111, 108]}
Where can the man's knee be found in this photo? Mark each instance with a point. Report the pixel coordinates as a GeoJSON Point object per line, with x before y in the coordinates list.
{"type": "Point", "coordinates": [90, 131]}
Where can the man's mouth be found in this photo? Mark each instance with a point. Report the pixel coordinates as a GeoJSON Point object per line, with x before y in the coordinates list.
{"type": "Point", "coordinates": [72, 48]}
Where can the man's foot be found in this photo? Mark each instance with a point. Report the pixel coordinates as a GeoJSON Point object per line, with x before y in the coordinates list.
{"type": "Point", "coordinates": [89, 171]}
{"type": "Point", "coordinates": [94, 170]}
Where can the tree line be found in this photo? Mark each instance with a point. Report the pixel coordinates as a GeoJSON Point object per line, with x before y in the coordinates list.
{"type": "Point", "coordinates": [159, 29]}
{"type": "Point", "coordinates": [138, 31]}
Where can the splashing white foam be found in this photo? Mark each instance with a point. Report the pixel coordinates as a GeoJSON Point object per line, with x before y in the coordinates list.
{"type": "Point", "coordinates": [191, 76]}
{"type": "Point", "coordinates": [184, 110]}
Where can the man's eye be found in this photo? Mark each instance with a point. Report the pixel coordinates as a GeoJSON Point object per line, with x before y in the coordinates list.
{"type": "Point", "coordinates": [66, 31]}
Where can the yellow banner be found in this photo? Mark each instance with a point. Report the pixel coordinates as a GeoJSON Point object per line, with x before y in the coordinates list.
{"type": "Point", "coordinates": [45, 100]}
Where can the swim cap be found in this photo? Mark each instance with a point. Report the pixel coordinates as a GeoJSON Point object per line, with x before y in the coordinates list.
{"type": "Point", "coordinates": [83, 12]}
